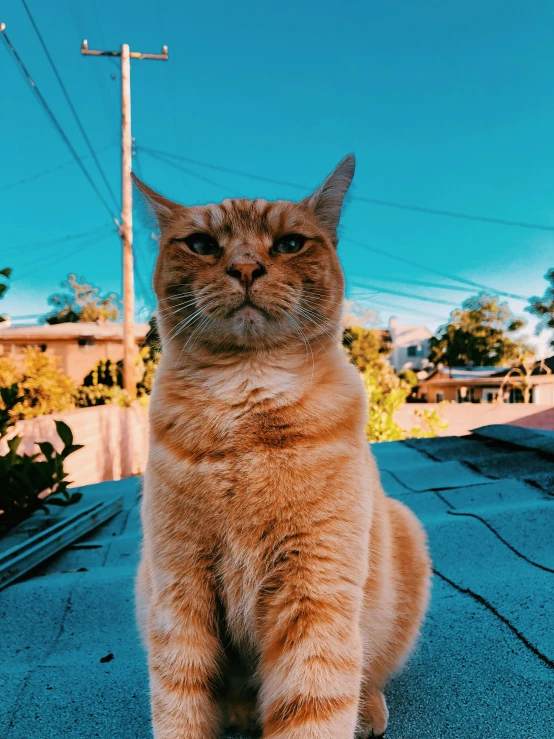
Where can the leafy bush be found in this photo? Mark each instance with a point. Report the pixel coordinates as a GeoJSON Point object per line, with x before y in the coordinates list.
{"type": "Point", "coordinates": [386, 391]}
{"type": "Point", "coordinates": [430, 424]}
{"type": "Point", "coordinates": [150, 357]}
{"type": "Point", "coordinates": [384, 400]}
{"type": "Point", "coordinates": [31, 482]}
{"type": "Point", "coordinates": [42, 387]}
{"type": "Point", "coordinates": [409, 376]}
{"type": "Point", "coordinates": [104, 383]}
{"type": "Point", "coordinates": [105, 372]}
{"type": "Point", "coordinates": [100, 394]}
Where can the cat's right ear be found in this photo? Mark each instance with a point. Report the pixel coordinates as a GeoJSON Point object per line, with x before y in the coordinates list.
{"type": "Point", "coordinates": [164, 209]}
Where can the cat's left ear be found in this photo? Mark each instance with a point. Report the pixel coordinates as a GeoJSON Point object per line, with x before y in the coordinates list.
{"type": "Point", "coordinates": [327, 200]}
{"type": "Point", "coordinates": [163, 208]}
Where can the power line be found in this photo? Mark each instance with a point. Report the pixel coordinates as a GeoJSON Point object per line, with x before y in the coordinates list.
{"type": "Point", "coordinates": [45, 260]}
{"type": "Point", "coordinates": [57, 125]}
{"type": "Point", "coordinates": [70, 103]}
{"type": "Point", "coordinates": [412, 263]}
{"type": "Point", "coordinates": [46, 172]}
{"type": "Point", "coordinates": [390, 291]}
{"type": "Point", "coordinates": [422, 283]}
{"type": "Point", "coordinates": [360, 198]}
{"type": "Point", "coordinates": [38, 245]}
{"type": "Point", "coordinates": [163, 156]}
{"type": "Point", "coordinates": [406, 309]}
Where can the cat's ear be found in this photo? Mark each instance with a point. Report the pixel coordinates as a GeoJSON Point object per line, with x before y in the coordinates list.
{"type": "Point", "coordinates": [327, 200]}
{"type": "Point", "coordinates": [163, 209]}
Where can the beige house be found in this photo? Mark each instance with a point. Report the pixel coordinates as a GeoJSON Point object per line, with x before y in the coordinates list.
{"type": "Point", "coordinates": [78, 345]}
{"type": "Point", "coordinates": [489, 384]}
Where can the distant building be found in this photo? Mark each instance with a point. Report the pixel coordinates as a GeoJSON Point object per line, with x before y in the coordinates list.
{"type": "Point", "coordinates": [410, 346]}
{"type": "Point", "coordinates": [78, 345]}
{"type": "Point", "coordinates": [488, 384]}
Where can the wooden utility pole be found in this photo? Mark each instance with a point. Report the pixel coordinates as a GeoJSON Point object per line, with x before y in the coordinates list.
{"type": "Point", "coordinates": [126, 226]}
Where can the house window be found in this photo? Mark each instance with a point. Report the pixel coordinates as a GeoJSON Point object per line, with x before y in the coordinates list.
{"type": "Point", "coordinates": [516, 395]}
{"type": "Point", "coordinates": [412, 350]}
{"type": "Point", "coordinates": [490, 396]}
{"type": "Point", "coordinates": [84, 342]}
{"type": "Point", "coordinates": [464, 395]}
{"type": "Point", "coordinates": [439, 397]}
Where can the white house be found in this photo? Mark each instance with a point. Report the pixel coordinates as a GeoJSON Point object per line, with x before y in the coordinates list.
{"type": "Point", "coordinates": [410, 346]}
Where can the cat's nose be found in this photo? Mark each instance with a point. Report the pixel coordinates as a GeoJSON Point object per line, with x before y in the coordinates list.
{"type": "Point", "coordinates": [246, 272]}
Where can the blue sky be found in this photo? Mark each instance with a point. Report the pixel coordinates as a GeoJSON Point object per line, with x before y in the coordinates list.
{"type": "Point", "coordinates": [446, 105]}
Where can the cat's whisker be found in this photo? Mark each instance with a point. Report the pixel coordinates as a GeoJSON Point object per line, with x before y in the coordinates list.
{"type": "Point", "coordinates": [184, 324]}
{"type": "Point", "coordinates": [202, 324]}
{"type": "Point", "coordinates": [304, 339]}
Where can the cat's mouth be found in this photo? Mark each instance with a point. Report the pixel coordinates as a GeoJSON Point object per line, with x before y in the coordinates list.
{"type": "Point", "coordinates": [248, 309]}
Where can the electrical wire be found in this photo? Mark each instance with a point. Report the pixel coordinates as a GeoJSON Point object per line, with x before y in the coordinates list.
{"type": "Point", "coordinates": [406, 309]}
{"type": "Point", "coordinates": [165, 160]}
{"type": "Point", "coordinates": [164, 157]}
{"type": "Point", "coordinates": [34, 246]}
{"type": "Point", "coordinates": [71, 106]}
{"type": "Point", "coordinates": [400, 294]}
{"type": "Point", "coordinates": [57, 125]}
{"type": "Point", "coordinates": [360, 198]}
{"type": "Point", "coordinates": [413, 263]}
{"type": "Point", "coordinates": [46, 172]}
{"type": "Point", "coordinates": [45, 260]}
{"type": "Point", "coordinates": [421, 283]}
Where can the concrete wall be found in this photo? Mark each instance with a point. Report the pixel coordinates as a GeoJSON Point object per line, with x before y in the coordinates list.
{"type": "Point", "coordinates": [115, 441]}
{"type": "Point", "coordinates": [463, 417]}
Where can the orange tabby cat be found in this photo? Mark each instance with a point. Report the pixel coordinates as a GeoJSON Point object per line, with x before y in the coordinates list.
{"type": "Point", "coordinates": [266, 530]}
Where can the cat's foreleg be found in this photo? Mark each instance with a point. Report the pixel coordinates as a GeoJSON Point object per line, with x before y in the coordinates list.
{"type": "Point", "coordinates": [311, 662]}
{"type": "Point", "coordinates": [184, 653]}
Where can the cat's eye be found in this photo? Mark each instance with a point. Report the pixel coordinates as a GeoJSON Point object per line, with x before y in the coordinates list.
{"type": "Point", "coordinates": [289, 244]}
{"type": "Point", "coordinates": [202, 244]}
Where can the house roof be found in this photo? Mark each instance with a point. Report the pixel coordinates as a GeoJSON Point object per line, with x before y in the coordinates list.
{"type": "Point", "coordinates": [485, 662]}
{"type": "Point", "coordinates": [62, 331]}
{"type": "Point", "coordinates": [542, 372]}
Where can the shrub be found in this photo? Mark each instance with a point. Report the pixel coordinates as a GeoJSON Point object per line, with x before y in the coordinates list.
{"type": "Point", "coordinates": [384, 401]}
{"type": "Point", "coordinates": [386, 391]}
{"type": "Point", "coordinates": [100, 394]}
{"type": "Point", "coordinates": [31, 482]}
{"type": "Point", "coordinates": [150, 356]}
{"type": "Point", "coordinates": [104, 383]}
{"type": "Point", "coordinates": [105, 372]}
{"type": "Point", "coordinates": [42, 387]}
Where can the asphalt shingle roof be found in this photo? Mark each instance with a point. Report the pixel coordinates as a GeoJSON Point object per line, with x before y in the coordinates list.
{"type": "Point", "coordinates": [71, 663]}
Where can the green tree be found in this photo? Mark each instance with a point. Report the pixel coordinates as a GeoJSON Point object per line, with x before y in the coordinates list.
{"type": "Point", "coordinates": [543, 307]}
{"type": "Point", "coordinates": [386, 391]}
{"type": "Point", "coordinates": [6, 272]}
{"type": "Point", "coordinates": [83, 302]}
{"type": "Point", "coordinates": [480, 333]}
{"type": "Point", "coordinates": [366, 347]}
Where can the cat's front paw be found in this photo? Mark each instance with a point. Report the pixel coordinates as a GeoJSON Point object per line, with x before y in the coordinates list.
{"type": "Point", "coordinates": [374, 716]}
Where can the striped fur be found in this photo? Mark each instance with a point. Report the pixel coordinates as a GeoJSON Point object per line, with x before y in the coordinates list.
{"type": "Point", "coordinates": [266, 531]}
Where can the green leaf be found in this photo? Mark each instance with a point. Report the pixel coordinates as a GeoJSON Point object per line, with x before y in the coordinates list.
{"type": "Point", "coordinates": [70, 449]}
{"type": "Point", "coordinates": [7, 272]}
{"type": "Point", "coordinates": [46, 448]}
{"type": "Point", "coordinates": [13, 444]}
{"type": "Point", "coordinates": [57, 501]}
{"type": "Point", "coordinates": [64, 432]}
{"type": "Point", "coordinates": [76, 497]}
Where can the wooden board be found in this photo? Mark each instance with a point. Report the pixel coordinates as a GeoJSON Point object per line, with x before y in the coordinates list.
{"type": "Point", "coordinates": [21, 558]}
